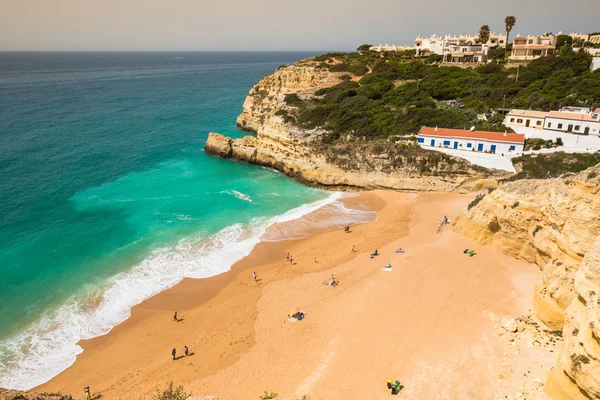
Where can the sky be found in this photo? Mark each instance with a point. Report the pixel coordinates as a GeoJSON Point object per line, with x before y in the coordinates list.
{"type": "Point", "coordinates": [179, 25]}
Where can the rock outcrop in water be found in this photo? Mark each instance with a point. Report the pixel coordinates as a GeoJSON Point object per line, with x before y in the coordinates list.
{"type": "Point", "coordinates": [555, 224]}
{"type": "Point", "coordinates": [299, 153]}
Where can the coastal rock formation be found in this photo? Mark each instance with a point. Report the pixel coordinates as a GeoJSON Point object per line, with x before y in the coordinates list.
{"type": "Point", "coordinates": [299, 153]}
{"type": "Point", "coordinates": [300, 162]}
{"type": "Point", "coordinates": [553, 223]}
{"type": "Point", "coordinates": [580, 360]}
{"type": "Point", "coordinates": [6, 394]}
{"type": "Point", "coordinates": [263, 108]}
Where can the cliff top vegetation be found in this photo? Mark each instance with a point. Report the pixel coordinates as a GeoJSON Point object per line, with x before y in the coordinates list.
{"type": "Point", "coordinates": [395, 93]}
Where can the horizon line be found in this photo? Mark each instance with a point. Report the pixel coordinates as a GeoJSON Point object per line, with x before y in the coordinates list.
{"type": "Point", "coordinates": [167, 51]}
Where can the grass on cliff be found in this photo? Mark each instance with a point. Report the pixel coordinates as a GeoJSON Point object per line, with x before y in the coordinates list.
{"type": "Point", "coordinates": [552, 165]}
{"type": "Point", "coordinates": [389, 155]}
{"type": "Point", "coordinates": [403, 93]}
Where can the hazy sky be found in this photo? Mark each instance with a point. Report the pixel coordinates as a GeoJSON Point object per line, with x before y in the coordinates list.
{"type": "Point", "coordinates": [269, 24]}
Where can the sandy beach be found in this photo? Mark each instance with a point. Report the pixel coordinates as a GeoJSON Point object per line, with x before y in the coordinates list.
{"type": "Point", "coordinates": [433, 322]}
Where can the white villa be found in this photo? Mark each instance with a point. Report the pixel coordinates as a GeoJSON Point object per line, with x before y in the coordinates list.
{"type": "Point", "coordinates": [526, 118]}
{"type": "Point", "coordinates": [575, 120]}
{"type": "Point", "coordinates": [442, 45]}
{"type": "Point", "coordinates": [471, 140]}
{"type": "Point", "coordinates": [527, 48]}
{"type": "Point", "coordinates": [579, 120]}
{"type": "Point", "coordinates": [468, 53]}
{"type": "Point", "coordinates": [390, 47]}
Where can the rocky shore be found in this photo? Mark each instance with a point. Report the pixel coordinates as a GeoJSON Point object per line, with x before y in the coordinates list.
{"type": "Point", "coordinates": [553, 223]}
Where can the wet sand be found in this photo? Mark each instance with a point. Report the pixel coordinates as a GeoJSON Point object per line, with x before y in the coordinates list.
{"type": "Point", "coordinates": [427, 322]}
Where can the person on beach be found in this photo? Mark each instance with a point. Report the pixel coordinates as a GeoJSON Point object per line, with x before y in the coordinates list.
{"type": "Point", "coordinates": [315, 260]}
{"type": "Point", "coordinates": [186, 350]}
{"type": "Point", "coordinates": [254, 276]}
{"type": "Point", "coordinates": [288, 256]}
{"type": "Point", "coordinates": [353, 250]}
{"type": "Point", "coordinates": [174, 354]}
{"type": "Point", "coordinates": [291, 260]}
{"type": "Point", "coordinates": [175, 317]}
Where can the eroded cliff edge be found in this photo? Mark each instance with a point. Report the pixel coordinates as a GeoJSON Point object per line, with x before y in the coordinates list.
{"type": "Point", "coordinates": [554, 223]}
{"type": "Point", "coordinates": [280, 143]}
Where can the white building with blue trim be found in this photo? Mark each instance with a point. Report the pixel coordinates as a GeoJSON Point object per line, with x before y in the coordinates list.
{"type": "Point", "coordinates": [471, 140]}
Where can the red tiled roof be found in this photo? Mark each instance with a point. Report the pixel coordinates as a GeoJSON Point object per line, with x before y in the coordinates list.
{"type": "Point", "coordinates": [482, 135]}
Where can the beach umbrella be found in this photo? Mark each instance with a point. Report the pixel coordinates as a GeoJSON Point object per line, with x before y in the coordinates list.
{"type": "Point", "coordinates": [293, 311]}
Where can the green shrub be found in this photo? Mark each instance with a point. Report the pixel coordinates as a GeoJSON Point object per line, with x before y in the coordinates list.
{"type": "Point", "coordinates": [292, 99]}
{"type": "Point", "coordinates": [171, 393]}
{"type": "Point", "coordinates": [475, 202]}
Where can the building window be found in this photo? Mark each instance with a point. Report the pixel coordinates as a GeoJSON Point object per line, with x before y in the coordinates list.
{"type": "Point", "coordinates": [421, 140]}
{"type": "Point", "coordinates": [539, 123]}
{"type": "Point", "coordinates": [549, 124]}
{"type": "Point", "coordinates": [446, 143]}
{"type": "Point", "coordinates": [576, 127]}
{"type": "Point", "coordinates": [559, 126]}
{"type": "Point", "coordinates": [469, 145]}
{"type": "Point", "coordinates": [537, 52]}
{"type": "Point", "coordinates": [502, 41]}
{"type": "Point", "coordinates": [511, 148]}
{"type": "Point", "coordinates": [512, 120]}
{"type": "Point", "coordinates": [519, 121]}
{"type": "Point", "coordinates": [530, 41]}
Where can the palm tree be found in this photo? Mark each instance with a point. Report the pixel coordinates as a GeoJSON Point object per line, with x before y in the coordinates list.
{"type": "Point", "coordinates": [509, 21]}
{"type": "Point", "coordinates": [484, 34]}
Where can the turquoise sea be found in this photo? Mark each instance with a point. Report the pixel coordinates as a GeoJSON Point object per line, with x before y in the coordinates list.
{"type": "Point", "coordinates": [106, 196]}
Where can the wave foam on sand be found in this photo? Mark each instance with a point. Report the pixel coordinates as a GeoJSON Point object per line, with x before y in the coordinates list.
{"type": "Point", "coordinates": [49, 345]}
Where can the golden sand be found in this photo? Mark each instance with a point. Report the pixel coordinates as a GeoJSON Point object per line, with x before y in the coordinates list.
{"type": "Point", "coordinates": [427, 322]}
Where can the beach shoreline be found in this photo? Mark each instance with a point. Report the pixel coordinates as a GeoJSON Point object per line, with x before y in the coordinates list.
{"type": "Point", "coordinates": [235, 331]}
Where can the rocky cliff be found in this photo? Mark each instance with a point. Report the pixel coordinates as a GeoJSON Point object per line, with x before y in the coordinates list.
{"type": "Point", "coordinates": [281, 144]}
{"type": "Point", "coordinates": [555, 224]}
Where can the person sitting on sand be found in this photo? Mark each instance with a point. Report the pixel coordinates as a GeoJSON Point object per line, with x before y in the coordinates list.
{"type": "Point", "coordinates": [299, 315]}
{"type": "Point", "coordinates": [175, 317]}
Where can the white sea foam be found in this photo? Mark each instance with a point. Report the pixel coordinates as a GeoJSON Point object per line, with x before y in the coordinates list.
{"type": "Point", "coordinates": [48, 346]}
{"type": "Point", "coordinates": [239, 195]}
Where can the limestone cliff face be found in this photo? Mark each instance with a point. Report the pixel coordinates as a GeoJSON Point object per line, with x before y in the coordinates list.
{"type": "Point", "coordinates": [268, 96]}
{"type": "Point", "coordinates": [297, 161]}
{"type": "Point", "coordinates": [280, 144]}
{"type": "Point", "coordinates": [581, 358]}
{"type": "Point", "coordinates": [556, 224]}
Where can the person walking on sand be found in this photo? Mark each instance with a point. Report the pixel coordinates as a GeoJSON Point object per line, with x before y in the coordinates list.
{"type": "Point", "coordinates": [174, 354]}
{"type": "Point", "coordinates": [186, 350]}
{"type": "Point", "coordinates": [175, 317]}
{"type": "Point", "coordinates": [353, 250]}
{"type": "Point", "coordinates": [254, 276]}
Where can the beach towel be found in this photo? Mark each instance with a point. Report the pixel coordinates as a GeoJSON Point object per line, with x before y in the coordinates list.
{"type": "Point", "coordinates": [386, 269]}
{"type": "Point", "coordinates": [399, 251]}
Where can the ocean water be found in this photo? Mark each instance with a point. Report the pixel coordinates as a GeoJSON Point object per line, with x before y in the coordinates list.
{"type": "Point", "coordinates": [107, 198]}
